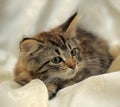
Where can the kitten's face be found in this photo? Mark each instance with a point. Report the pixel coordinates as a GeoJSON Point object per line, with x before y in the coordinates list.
{"type": "Point", "coordinates": [56, 58]}
{"type": "Point", "coordinates": [60, 56]}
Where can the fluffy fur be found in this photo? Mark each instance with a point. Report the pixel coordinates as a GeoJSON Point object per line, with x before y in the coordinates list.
{"type": "Point", "coordinates": [61, 57]}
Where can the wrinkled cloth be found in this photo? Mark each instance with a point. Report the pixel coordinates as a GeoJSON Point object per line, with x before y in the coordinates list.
{"type": "Point", "coordinates": [96, 91]}
{"type": "Point", "coordinates": [33, 94]}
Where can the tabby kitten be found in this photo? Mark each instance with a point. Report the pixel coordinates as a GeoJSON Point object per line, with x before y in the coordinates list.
{"type": "Point", "coordinates": [61, 57]}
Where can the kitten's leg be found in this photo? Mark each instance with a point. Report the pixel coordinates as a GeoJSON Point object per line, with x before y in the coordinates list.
{"type": "Point", "coordinates": [115, 66]}
{"type": "Point", "coordinates": [68, 83]}
{"type": "Point", "coordinates": [52, 89]}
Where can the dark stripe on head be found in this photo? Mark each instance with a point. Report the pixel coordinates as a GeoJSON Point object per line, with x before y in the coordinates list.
{"type": "Point", "coordinates": [64, 42]}
{"type": "Point", "coordinates": [57, 51]}
{"type": "Point", "coordinates": [62, 38]}
{"type": "Point", "coordinates": [60, 42]}
{"type": "Point", "coordinates": [69, 46]}
{"type": "Point", "coordinates": [54, 43]}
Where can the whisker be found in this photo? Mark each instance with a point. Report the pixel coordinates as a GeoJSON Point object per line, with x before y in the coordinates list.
{"type": "Point", "coordinates": [102, 70]}
{"type": "Point", "coordinates": [101, 63]}
{"type": "Point", "coordinates": [96, 60]}
{"type": "Point", "coordinates": [98, 56]}
{"type": "Point", "coordinates": [97, 64]}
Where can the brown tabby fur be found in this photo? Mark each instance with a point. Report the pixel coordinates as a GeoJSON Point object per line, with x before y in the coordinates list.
{"type": "Point", "coordinates": [35, 61]}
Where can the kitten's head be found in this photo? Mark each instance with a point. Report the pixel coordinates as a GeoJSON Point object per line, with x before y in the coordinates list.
{"type": "Point", "coordinates": [59, 53]}
{"type": "Point", "coordinates": [56, 57]}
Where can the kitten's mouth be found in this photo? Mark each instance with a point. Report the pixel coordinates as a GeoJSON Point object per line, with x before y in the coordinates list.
{"type": "Point", "coordinates": [69, 73]}
{"type": "Point", "coordinates": [72, 72]}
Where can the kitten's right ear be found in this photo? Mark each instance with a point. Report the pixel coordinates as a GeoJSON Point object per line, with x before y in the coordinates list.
{"type": "Point", "coordinates": [64, 27]}
{"type": "Point", "coordinates": [29, 45]}
{"type": "Point", "coordinates": [67, 25]}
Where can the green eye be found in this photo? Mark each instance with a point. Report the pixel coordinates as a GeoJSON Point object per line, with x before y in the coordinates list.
{"type": "Point", "coordinates": [74, 51]}
{"type": "Point", "coordinates": [56, 60]}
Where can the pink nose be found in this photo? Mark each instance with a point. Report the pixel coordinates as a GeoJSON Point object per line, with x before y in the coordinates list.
{"type": "Point", "coordinates": [71, 63]}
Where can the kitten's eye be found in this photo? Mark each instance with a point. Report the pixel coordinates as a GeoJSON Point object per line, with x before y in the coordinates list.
{"type": "Point", "coordinates": [56, 60]}
{"type": "Point", "coordinates": [74, 51]}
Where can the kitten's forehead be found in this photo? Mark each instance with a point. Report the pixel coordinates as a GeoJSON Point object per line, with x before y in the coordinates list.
{"type": "Point", "coordinates": [72, 42]}
{"type": "Point", "coordinates": [57, 42]}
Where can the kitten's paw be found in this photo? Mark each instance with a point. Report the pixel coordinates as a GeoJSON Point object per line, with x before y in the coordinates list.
{"type": "Point", "coordinates": [52, 90]}
{"type": "Point", "coordinates": [115, 50]}
{"type": "Point", "coordinates": [51, 95]}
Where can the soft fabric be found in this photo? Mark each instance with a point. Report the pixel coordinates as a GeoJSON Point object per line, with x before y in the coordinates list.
{"type": "Point", "coordinates": [24, 18]}
{"type": "Point", "coordinates": [33, 94]}
{"type": "Point", "coordinates": [97, 91]}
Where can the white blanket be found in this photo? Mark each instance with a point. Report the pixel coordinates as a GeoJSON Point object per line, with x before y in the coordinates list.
{"type": "Point", "coordinates": [19, 18]}
{"type": "Point", "coordinates": [33, 94]}
{"type": "Point", "coordinates": [97, 91]}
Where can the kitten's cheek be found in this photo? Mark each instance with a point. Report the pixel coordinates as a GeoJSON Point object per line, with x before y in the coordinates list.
{"type": "Point", "coordinates": [80, 67]}
{"type": "Point", "coordinates": [77, 68]}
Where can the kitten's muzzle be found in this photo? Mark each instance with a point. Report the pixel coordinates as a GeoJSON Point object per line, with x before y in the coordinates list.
{"type": "Point", "coordinates": [71, 63]}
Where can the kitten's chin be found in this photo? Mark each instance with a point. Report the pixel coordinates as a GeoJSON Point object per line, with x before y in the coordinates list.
{"type": "Point", "coordinates": [69, 74]}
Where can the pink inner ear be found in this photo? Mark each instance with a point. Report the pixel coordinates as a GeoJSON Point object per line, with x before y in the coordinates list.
{"type": "Point", "coordinates": [29, 45]}
{"type": "Point", "coordinates": [26, 47]}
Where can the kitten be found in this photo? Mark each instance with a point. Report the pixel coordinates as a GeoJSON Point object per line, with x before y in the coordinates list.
{"type": "Point", "coordinates": [61, 57]}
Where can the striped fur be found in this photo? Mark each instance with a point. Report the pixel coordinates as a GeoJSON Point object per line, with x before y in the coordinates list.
{"type": "Point", "coordinates": [60, 60]}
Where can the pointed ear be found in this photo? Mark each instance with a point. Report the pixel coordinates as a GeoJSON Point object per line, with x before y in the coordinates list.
{"type": "Point", "coordinates": [30, 45]}
{"type": "Point", "coordinates": [72, 28]}
{"type": "Point", "coordinates": [64, 27]}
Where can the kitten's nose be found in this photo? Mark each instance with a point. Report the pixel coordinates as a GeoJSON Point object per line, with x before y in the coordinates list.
{"type": "Point", "coordinates": [71, 63]}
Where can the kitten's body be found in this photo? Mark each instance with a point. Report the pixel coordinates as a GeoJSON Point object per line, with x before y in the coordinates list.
{"type": "Point", "coordinates": [61, 57]}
